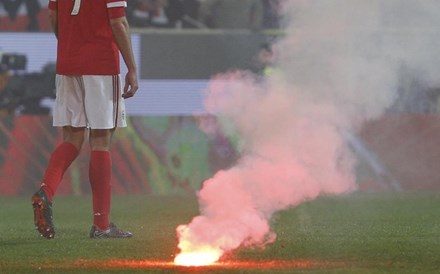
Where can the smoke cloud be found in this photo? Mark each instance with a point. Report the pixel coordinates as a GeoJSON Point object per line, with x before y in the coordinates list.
{"type": "Point", "coordinates": [338, 65]}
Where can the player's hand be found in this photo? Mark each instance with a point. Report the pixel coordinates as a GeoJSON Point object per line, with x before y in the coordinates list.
{"type": "Point", "coordinates": [131, 85]}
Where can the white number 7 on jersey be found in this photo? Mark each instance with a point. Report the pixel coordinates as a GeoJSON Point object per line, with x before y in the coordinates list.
{"type": "Point", "coordinates": [76, 7]}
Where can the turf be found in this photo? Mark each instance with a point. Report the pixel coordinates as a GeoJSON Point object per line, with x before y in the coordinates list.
{"type": "Point", "coordinates": [358, 233]}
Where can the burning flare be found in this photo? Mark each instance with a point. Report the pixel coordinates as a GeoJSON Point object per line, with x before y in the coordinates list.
{"type": "Point", "coordinates": [205, 256]}
{"type": "Point", "coordinates": [192, 254]}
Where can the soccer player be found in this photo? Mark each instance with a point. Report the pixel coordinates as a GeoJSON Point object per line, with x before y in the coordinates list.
{"type": "Point", "coordinates": [89, 100]}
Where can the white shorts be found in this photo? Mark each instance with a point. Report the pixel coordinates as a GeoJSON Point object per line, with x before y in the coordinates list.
{"type": "Point", "coordinates": [93, 101]}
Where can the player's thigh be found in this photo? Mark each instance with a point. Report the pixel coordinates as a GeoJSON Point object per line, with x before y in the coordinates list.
{"type": "Point", "coordinates": [103, 102]}
{"type": "Point", "coordinates": [69, 103]}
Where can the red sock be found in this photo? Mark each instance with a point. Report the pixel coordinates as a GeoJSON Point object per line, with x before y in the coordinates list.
{"type": "Point", "coordinates": [100, 173]}
{"type": "Point", "coordinates": [59, 161]}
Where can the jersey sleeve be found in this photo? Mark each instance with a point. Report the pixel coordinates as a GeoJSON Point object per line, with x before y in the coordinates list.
{"type": "Point", "coordinates": [116, 8]}
{"type": "Point", "coordinates": [53, 4]}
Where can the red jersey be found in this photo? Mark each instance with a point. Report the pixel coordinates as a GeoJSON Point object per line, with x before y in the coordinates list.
{"type": "Point", "coordinates": [85, 40]}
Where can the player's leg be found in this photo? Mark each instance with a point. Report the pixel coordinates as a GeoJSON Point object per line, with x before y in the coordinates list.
{"type": "Point", "coordinates": [69, 113]}
{"type": "Point", "coordinates": [69, 93]}
{"type": "Point", "coordinates": [61, 158]}
{"type": "Point", "coordinates": [59, 161]}
{"type": "Point", "coordinates": [100, 171]}
{"type": "Point", "coordinates": [105, 112]}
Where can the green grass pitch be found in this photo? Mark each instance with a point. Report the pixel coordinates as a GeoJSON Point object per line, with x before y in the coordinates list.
{"type": "Point", "coordinates": [356, 233]}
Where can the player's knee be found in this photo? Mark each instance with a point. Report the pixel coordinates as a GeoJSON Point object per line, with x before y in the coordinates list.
{"type": "Point", "coordinates": [99, 146]}
{"type": "Point", "coordinates": [75, 136]}
{"type": "Point", "coordinates": [100, 139]}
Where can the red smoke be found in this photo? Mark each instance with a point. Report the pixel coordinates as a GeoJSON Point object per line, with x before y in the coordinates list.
{"type": "Point", "coordinates": [336, 67]}
{"type": "Point", "coordinates": [289, 154]}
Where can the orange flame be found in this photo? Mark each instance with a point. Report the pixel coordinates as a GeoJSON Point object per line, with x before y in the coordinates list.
{"type": "Point", "coordinates": [203, 257]}
{"type": "Point", "coordinates": [193, 252]}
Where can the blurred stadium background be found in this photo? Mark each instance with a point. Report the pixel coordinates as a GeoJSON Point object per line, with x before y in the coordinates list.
{"type": "Point", "coordinates": [178, 47]}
